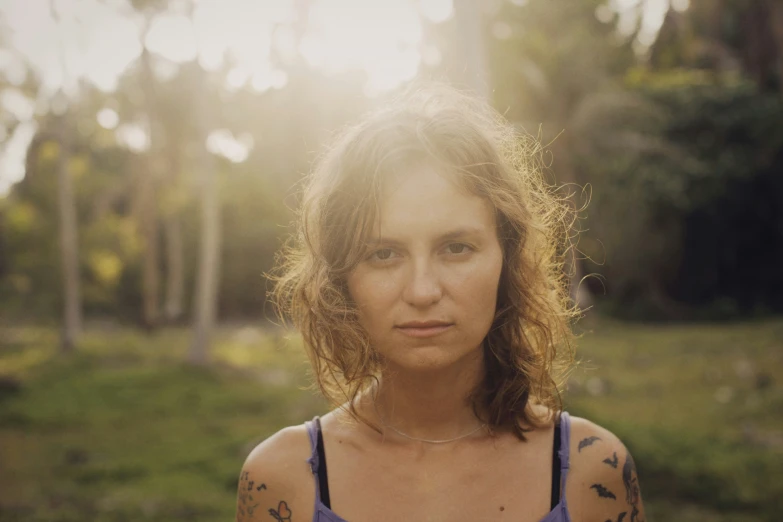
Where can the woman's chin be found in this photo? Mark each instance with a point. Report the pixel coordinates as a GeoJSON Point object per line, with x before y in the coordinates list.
{"type": "Point", "coordinates": [426, 358]}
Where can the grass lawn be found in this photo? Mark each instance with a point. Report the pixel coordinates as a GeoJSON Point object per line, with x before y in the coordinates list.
{"type": "Point", "coordinates": [125, 431]}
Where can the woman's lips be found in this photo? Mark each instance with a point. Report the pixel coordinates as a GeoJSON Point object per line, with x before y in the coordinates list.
{"type": "Point", "coordinates": [424, 331]}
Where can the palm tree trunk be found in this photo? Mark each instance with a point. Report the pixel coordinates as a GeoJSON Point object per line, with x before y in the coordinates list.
{"type": "Point", "coordinates": [175, 262]}
{"type": "Point", "coordinates": [208, 269]}
{"type": "Point", "coordinates": [150, 265]}
{"type": "Point", "coordinates": [472, 58]}
{"type": "Point", "coordinates": [209, 255]}
{"type": "Point", "coordinates": [69, 243]}
{"type": "Point", "coordinates": [149, 204]}
{"type": "Point", "coordinates": [175, 276]}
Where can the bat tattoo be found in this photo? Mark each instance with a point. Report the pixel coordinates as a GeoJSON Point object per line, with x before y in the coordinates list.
{"type": "Point", "coordinates": [620, 517]}
{"type": "Point", "coordinates": [587, 442]}
{"type": "Point", "coordinates": [282, 513]}
{"type": "Point", "coordinates": [612, 462]}
{"type": "Point", "coordinates": [603, 492]}
{"type": "Point", "coordinates": [632, 494]}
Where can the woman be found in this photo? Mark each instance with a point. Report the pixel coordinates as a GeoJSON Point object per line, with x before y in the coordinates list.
{"type": "Point", "coordinates": [427, 281]}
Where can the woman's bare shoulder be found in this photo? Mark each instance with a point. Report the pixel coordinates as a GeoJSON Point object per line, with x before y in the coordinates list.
{"type": "Point", "coordinates": [603, 482]}
{"type": "Point", "coordinates": [590, 440]}
{"type": "Point", "coordinates": [276, 480]}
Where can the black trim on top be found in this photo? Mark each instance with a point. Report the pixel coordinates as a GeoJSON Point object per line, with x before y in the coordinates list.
{"type": "Point", "coordinates": [556, 466]}
{"type": "Point", "coordinates": [323, 483]}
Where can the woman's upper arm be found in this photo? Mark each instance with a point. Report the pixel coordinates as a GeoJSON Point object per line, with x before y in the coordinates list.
{"type": "Point", "coordinates": [275, 483]}
{"type": "Point", "coordinates": [603, 484]}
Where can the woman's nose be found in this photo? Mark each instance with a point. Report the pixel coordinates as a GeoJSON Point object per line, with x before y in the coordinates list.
{"type": "Point", "coordinates": [423, 287]}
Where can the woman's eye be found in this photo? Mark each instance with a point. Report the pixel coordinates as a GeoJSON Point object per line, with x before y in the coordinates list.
{"type": "Point", "coordinates": [383, 254]}
{"type": "Point", "coordinates": [457, 248]}
{"type": "Point", "coordinates": [388, 254]}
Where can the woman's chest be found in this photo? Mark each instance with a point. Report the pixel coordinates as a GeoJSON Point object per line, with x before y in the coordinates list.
{"type": "Point", "coordinates": [504, 485]}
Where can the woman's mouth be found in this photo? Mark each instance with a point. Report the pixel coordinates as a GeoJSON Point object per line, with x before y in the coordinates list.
{"type": "Point", "coordinates": [423, 328]}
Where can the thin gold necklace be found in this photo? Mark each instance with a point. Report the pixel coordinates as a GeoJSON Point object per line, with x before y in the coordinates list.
{"type": "Point", "coordinates": [428, 441]}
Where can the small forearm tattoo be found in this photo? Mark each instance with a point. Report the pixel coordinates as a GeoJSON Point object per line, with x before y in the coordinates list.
{"type": "Point", "coordinates": [612, 462]}
{"type": "Point", "coordinates": [282, 513]}
{"type": "Point", "coordinates": [588, 441]}
{"type": "Point", "coordinates": [246, 502]}
{"type": "Point", "coordinates": [603, 492]}
{"type": "Point", "coordinates": [620, 517]}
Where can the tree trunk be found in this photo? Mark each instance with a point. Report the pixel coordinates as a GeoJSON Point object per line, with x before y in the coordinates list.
{"type": "Point", "coordinates": [149, 204]}
{"type": "Point", "coordinates": [175, 276]}
{"type": "Point", "coordinates": [150, 265]}
{"type": "Point", "coordinates": [471, 49]}
{"type": "Point", "coordinates": [208, 269]}
{"type": "Point", "coordinates": [776, 8]}
{"type": "Point", "coordinates": [69, 243]}
{"type": "Point", "coordinates": [172, 208]}
{"type": "Point", "coordinates": [209, 255]}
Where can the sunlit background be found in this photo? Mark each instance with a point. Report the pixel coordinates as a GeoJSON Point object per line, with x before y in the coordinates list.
{"type": "Point", "coordinates": [67, 42]}
{"type": "Point", "coordinates": [150, 156]}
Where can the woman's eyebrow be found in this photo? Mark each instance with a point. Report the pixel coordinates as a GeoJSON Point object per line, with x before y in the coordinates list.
{"type": "Point", "coordinates": [452, 234]}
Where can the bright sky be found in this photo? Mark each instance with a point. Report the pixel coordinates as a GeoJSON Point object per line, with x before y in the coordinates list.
{"type": "Point", "coordinates": [96, 40]}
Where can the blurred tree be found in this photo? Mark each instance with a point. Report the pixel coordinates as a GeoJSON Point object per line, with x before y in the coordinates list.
{"type": "Point", "coordinates": [776, 19]}
{"type": "Point", "coordinates": [725, 35]}
{"type": "Point", "coordinates": [557, 68]}
{"type": "Point", "coordinates": [148, 186]}
{"type": "Point", "coordinates": [205, 304]}
{"type": "Point", "coordinates": [159, 159]}
{"type": "Point", "coordinates": [471, 48]}
{"type": "Point", "coordinates": [723, 190]}
{"type": "Point", "coordinates": [69, 241]}
{"type": "Point", "coordinates": [174, 197]}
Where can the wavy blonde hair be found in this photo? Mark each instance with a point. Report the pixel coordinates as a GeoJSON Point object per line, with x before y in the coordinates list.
{"type": "Point", "coordinates": [529, 347]}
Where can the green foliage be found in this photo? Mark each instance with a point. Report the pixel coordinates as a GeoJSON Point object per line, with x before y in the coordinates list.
{"type": "Point", "coordinates": [699, 202]}
{"type": "Point", "coordinates": [726, 131]}
{"type": "Point", "coordinates": [681, 164]}
{"type": "Point", "coordinates": [556, 54]}
{"type": "Point", "coordinates": [256, 195]}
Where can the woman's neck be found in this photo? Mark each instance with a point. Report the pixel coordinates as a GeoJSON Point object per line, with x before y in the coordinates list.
{"type": "Point", "coordinates": [430, 405]}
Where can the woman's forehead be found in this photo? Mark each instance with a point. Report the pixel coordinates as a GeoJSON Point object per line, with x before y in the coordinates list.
{"type": "Point", "coordinates": [425, 200]}
{"type": "Point", "coordinates": [421, 175]}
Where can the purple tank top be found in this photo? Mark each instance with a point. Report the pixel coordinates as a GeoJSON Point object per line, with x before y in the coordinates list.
{"type": "Point", "coordinates": [558, 514]}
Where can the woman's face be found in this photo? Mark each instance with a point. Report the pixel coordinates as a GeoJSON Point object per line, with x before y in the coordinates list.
{"type": "Point", "coordinates": [426, 292]}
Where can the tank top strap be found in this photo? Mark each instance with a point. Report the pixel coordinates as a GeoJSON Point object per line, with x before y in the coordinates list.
{"type": "Point", "coordinates": [322, 506]}
{"type": "Point", "coordinates": [313, 429]}
{"type": "Point", "coordinates": [565, 450]}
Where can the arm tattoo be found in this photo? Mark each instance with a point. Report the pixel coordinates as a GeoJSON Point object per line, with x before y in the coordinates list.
{"type": "Point", "coordinates": [612, 462]}
{"type": "Point", "coordinates": [603, 492]}
{"type": "Point", "coordinates": [246, 504]}
{"type": "Point", "coordinates": [587, 442]}
{"type": "Point", "coordinates": [282, 513]}
{"type": "Point", "coordinates": [631, 481]}
{"type": "Point", "coordinates": [620, 517]}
